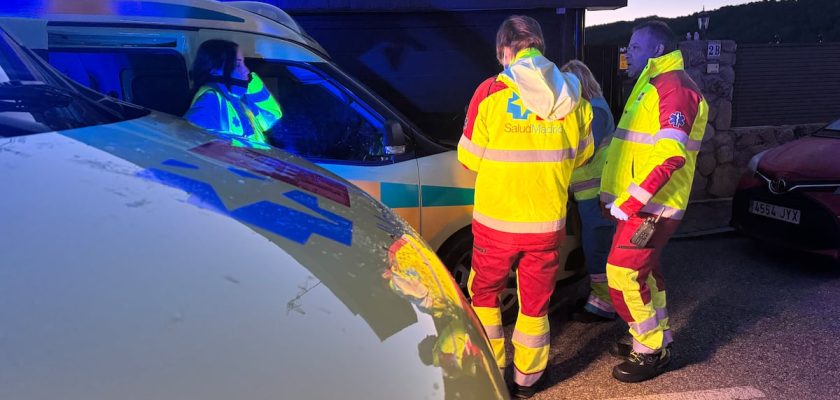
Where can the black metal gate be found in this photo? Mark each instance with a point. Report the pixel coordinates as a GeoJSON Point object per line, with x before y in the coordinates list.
{"type": "Point", "coordinates": [603, 61]}
{"type": "Point", "coordinates": [781, 84]}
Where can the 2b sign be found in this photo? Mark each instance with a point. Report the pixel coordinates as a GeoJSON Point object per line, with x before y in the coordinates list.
{"type": "Point", "coordinates": [714, 50]}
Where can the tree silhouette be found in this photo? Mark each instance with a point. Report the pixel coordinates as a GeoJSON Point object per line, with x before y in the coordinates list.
{"type": "Point", "coordinates": [794, 21]}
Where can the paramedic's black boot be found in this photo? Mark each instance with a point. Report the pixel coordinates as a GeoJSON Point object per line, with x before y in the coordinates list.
{"type": "Point", "coordinates": [641, 367]}
{"type": "Point", "coordinates": [522, 392]}
{"type": "Point", "coordinates": [622, 347]}
{"type": "Point", "coordinates": [525, 392]}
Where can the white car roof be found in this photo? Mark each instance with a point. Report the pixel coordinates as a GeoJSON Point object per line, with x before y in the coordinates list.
{"type": "Point", "coordinates": [154, 261]}
{"type": "Point", "coordinates": [244, 16]}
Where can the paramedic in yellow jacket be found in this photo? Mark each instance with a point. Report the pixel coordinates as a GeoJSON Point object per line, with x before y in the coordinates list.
{"type": "Point", "coordinates": [596, 229]}
{"type": "Point", "coordinates": [526, 130]}
{"type": "Point", "coordinates": [648, 173]}
{"type": "Point", "coordinates": [231, 100]}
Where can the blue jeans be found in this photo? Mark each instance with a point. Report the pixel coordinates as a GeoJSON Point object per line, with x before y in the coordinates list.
{"type": "Point", "coordinates": [596, 237]}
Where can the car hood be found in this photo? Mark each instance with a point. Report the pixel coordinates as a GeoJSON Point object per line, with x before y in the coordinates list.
{"type": "Point", "coordinates": [812, 158]}
{"type": "Point", "coordinates": [152, 259]}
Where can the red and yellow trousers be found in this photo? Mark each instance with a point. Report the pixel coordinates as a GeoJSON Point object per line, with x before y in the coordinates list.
{"type": "Point", "coordinates": [494, 254]}
{"type": "Point", "coordinates": [637, 288]}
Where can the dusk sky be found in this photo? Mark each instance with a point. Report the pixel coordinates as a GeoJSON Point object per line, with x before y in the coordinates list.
{"type": "Point", "coordinates": [663, 8]}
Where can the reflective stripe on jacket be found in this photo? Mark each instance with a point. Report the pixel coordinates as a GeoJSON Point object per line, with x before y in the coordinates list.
{"type": "Point", "coordinates": [586, 180]}
{"type": "Point", "coordinates": [524, 155]}
{"type": "Point", "coordinates": [264, 106]}
{"type": "Point", "coordinates": [650, 160]}
{"type": "Point", "coordinates": [244, 119]}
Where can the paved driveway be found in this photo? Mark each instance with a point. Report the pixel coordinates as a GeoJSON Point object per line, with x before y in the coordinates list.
{"type": "Point", "coordinates": [750, 322]}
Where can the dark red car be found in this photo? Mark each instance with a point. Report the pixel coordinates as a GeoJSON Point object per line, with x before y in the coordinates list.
{"type": "Point", "coordinates": [790, 194]}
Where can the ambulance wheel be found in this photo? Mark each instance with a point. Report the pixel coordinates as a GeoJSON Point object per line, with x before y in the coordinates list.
{"type": "Point", "coordinates": [456, 254]}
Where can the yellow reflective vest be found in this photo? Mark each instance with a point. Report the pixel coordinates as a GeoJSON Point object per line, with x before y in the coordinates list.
{"type": "Point", "coordinates": [650, 160]}
{"type": "Point", "coordinates": [586, 180]}
{"type": "Point", "coordinates": [526, 130]}
{"type": "Point", "coordinates": [243, 118]}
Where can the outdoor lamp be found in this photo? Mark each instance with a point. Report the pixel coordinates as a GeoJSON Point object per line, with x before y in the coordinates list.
{"type": "Point", "coordinates": [703, 22]}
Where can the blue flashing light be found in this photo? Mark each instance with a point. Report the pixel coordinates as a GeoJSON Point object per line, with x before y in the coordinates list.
{"type": "Point", "coordinates": [126, 8]}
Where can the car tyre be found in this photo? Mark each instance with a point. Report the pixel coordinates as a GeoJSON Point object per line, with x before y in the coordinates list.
{"type": "Point", "coordinates": [456, 254]}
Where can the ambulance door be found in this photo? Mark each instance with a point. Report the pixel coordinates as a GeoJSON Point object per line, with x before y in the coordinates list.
{"type": "Point", "coordinates": [339, 126]}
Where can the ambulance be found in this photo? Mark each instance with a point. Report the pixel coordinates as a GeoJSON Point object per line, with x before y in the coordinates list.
{"type": "Point", "coordinates": [143, 258]}
{"type": "Point", "coordinates": [141, 52]}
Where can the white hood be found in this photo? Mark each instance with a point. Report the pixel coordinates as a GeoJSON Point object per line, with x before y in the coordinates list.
{"type": "Point", "coordinates": [545, 90]}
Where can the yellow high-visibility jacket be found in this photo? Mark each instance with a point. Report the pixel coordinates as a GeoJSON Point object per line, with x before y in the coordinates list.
{"type": "Point", "coordinates": [651, 158]}
{"type": "Point", "coordinates": [586, 180]}
{"type": "Point", "coordinates": [526, 130]}
{"type": "Point", "coordinates": [240, 114]}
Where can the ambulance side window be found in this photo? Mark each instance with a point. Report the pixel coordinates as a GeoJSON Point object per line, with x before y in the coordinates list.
{"type": "Point", "coordinates": [322, 120]}
{"type": "Point", "coordinates": [153, 78]}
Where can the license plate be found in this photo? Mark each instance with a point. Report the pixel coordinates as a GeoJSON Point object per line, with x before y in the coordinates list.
{"type": "Point", "coordinates": [780, 213]}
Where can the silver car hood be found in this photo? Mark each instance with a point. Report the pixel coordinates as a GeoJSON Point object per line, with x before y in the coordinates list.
{"type": "Point", "coordinates": [139, 263]}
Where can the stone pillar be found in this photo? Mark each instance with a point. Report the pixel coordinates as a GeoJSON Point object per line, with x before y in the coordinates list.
{"type": "Point", "coordinates": [716, 174]}
{"type": "Point", "coordinates": [725, 151]}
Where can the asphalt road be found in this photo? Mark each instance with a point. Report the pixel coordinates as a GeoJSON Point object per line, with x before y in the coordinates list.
{"type": "Point", "coordinates": [749, 321]}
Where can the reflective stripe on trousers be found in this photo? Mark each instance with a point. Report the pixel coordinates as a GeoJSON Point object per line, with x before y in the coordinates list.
{"type": "Point", "coordinates": [637, 287]}
{"type": "Point", "coordinates": [536, 273]}
{"type": "Point", "coordinates": [531, 343]}
{"type": "Point", "coordinates": [596, 238]}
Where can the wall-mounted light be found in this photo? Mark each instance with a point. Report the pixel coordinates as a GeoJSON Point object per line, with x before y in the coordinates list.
{"type": "Point", "coordinates": [703, 22]}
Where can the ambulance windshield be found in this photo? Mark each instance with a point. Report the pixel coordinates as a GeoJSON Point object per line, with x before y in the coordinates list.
{"type": "Point", "coordinates": [34, 98]}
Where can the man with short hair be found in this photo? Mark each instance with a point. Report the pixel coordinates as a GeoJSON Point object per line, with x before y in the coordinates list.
{"type": "Point", "coordinates": [648, 175]}
{"type": "Point", "coordinates": [526, 130]}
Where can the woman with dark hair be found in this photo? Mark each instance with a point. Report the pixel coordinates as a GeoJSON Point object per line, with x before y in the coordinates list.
{"type": "Point", "coordinates": [596, 229]}
{"type": "Point", "coordinates": [229, 99]}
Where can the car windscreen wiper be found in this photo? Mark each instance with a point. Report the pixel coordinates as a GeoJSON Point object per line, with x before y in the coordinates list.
{"type": "Point", "coordinates": [29, 95]}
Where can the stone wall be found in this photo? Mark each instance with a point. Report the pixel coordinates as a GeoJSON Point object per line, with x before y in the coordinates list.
{"type": "Point", "coordinates": [725, 151]}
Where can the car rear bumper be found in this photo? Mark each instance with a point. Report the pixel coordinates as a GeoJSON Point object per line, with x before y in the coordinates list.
{"type": "Point", "coordinates": [817, 232]}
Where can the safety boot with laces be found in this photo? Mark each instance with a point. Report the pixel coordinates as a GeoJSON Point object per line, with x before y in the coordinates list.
{"type": "Point", "coordinates": [641, 367]}
{"type": "Point", "coordinates": [622, 347]}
